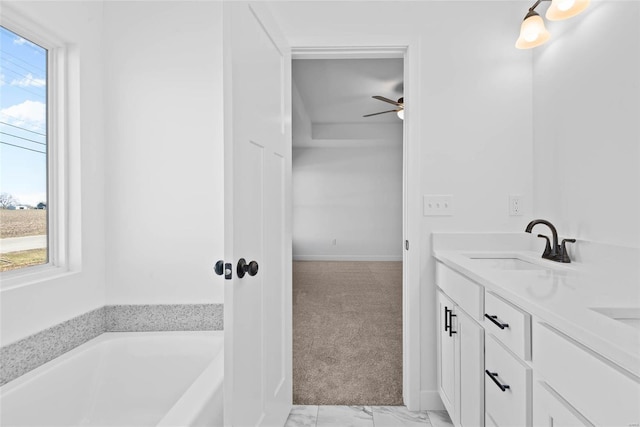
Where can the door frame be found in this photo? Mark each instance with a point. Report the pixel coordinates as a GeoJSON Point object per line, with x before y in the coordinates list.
{"type": "Point", "coordinates": [407, 48]}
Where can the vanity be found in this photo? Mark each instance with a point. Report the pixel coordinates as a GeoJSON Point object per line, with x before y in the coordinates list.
{"type": "Point", "coordinates": [526, 341]}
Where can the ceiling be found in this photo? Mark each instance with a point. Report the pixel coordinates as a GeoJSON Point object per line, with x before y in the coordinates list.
{"type": "Point", "coordinates": [340, 90]}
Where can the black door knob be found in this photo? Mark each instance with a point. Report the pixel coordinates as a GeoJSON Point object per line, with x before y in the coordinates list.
{"type": "Point", "coordinates": [219, 268]}
{"type": "Point", "coordinates": [243, 268]}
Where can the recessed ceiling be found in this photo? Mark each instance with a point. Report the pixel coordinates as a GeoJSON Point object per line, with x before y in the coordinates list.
{"type": "Point", "coordinates": [340, 90]}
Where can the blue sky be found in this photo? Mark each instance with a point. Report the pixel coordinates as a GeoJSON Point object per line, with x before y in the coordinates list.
{"type": "Point", "coordinates": [23, 91]}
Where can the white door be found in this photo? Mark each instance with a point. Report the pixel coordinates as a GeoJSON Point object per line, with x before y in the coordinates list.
{"type": "Point", "coordinates": [257, 81]}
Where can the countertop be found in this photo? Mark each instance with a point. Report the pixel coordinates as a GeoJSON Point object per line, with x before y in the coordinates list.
{"type": "Point", "coordinates": [564, 296]}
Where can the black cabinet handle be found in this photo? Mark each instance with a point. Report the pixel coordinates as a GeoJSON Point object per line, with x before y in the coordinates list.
{"type": "Point", "coordinates": [446, 317]}
{"type": "Point", "coordinates": [493, 376]}
{"type": "Point", "coordinates": [494, 320]}
{"type": "Point", "coordinates": [451, 331]}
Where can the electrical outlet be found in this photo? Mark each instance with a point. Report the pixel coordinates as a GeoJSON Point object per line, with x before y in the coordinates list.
{"type": "Point", "coordinates": [515, 205]}
{"type": "Point", "coordinates": [438, 205]}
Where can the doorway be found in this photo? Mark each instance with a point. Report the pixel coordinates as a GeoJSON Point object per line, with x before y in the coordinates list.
{"type": "Point", "coordinates": [348, 233]}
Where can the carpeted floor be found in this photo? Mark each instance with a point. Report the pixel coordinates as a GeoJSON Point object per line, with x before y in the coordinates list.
{"type": "Point", "coordinates": [347, 333]}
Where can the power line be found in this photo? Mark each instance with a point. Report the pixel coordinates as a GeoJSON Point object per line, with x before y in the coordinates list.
{"type": "Point", "coordinates": [24, 148]}
{"type": "Point", "coordinates": [26, 139]}
{"type": "Point", "coordinates": [10, 61]}
{"type": "Point", "coordinates": [22, 88]}
{"type": "Point", "coordinates": [25, 76]}
{"type": "Point", "coordinates": [24, 129]}
{"type": "Point", "coordinates": [36, 124]}
{"type": "Point", "coordinates": [23, 61]}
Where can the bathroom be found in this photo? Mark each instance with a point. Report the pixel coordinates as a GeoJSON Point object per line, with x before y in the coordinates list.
{"type": "Point", "coordinates": [145, 161]}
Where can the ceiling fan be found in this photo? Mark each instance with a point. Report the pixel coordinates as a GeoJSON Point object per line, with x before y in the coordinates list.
{"type": "Point", "coordinates": [399, 103]}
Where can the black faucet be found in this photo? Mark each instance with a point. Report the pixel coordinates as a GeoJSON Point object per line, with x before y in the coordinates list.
{"type": "Point", "coordinates": [552, 251]}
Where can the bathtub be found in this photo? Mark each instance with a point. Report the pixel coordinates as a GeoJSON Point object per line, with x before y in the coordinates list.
{"type": "Point", "coordinates": [124, 379]}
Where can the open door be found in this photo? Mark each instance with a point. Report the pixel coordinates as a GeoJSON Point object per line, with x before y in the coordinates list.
{"type": "Point", "coordinates": [257, 319]}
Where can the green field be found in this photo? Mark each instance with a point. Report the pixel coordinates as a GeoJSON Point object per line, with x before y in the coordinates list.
{"type": "Point", "coordinates": [22, 223]}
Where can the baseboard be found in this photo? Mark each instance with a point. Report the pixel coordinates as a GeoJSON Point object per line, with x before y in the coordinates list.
{"type": "Point", "coordinates": [430, 401]}
{"type": "Point", "coordinates": [347, 257]}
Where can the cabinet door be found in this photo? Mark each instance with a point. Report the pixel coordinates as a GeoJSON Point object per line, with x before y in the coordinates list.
{"type": "Point", "coordinates": [550, 409]}
{"type": "Point", "coordinates": [471, 370]}
{"type": "Point", "coordinates": [446, 355]}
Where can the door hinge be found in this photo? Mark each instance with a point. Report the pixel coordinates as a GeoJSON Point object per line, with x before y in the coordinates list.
{"type": "Point", "coordinates": [406, 244]}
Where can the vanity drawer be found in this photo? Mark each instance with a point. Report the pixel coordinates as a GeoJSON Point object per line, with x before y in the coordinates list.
{"type": "Point", "coordinates": [603, 392]}
{"type": "Point", "coordinates": [509, 324]}
{"type": "Point", "coordinates": [511, 406]}
{"type": "Point", "coordinates": [466, 293]}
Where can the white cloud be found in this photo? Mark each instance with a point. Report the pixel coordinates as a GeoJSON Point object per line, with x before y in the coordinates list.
{"type": "Point", "coordinates": [30, 115]}
{"type": "Point", "coordinates": [29, 80]}
{"type": "Point", "coordinates": [19, 41]}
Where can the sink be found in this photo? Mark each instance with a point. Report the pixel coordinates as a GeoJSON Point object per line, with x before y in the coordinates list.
{"type": "Point", "coordinates": [506, 263]}
{"type": "Point", "coordinates": [628, 315]}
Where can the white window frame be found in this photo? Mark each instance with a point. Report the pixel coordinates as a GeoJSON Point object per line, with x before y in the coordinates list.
{"type": "Point", "coordinates": [57, 155]}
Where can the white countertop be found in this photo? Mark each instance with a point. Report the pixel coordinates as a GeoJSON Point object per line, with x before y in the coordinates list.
{"type": "Point", "coordinates": [563, 296]}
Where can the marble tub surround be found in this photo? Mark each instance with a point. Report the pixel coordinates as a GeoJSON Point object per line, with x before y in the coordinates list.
{"type": "Point", "coordinates": [564, 295]}
{"type": "Point", "coordinates": [364, 416]}
{"type": "Point", "coordinates": [35, 350]}
{"type": "Point", "coordinates": [174, 317]}
{"type": "Point", "coordinates": [28, 353]}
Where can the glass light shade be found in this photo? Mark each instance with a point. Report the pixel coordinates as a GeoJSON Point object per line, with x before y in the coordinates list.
{"type": "Point", "coordinates": [564, 9]}
{"type": "Point", "coordinates": [532, 32]}
{"type": "Point", "coordinates": [400, 114]}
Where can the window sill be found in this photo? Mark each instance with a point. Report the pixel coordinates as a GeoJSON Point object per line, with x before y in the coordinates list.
{"type": "Point", "coordinates": [32, 275]}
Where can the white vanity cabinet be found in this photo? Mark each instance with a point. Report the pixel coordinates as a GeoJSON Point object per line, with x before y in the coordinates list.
{"type": "Point", "coordinates": [499, 365]}
{"type": "Point", "coordinates": [460, 352]}
{"type": "Point", "coordinates": [580, 384]}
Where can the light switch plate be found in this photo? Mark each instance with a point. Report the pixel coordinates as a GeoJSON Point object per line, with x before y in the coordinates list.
{"type": "Point", "coordinates": [438, 205]}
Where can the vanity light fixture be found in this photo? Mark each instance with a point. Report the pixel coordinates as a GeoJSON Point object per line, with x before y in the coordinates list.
{"type": "Point", "coordinates": [400, 114]}
{"type": "Point", "coordinates": [533, 32]}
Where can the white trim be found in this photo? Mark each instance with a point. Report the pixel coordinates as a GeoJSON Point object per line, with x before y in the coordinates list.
{"type": "Point", "coordinates": [430, 401]}
{"type": "Point", "coordinates": [347, 257]}
{"type": "Point", "coordinates": [57, 154]}
{"type": "Point", "coordinates": [328, 46]}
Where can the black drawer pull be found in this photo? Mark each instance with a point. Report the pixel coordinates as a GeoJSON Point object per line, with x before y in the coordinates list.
{"type": "Point", "coordinates": [451, 331]}
{"type": "Point", "coordinates": [493, 376]}
{"type": "Point", "coordinates": [446, 318]}
{"type": "Point", "coordinates": [495, 321]}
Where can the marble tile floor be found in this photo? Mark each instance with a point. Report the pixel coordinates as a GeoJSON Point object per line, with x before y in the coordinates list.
{"type": "Point", "coordinates": [364, 416]}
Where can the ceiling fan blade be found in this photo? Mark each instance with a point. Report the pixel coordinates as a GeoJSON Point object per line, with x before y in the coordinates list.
{"type": "Point", "coordinates": [390, 101]}
{"type": "Point", "coordinates": [381, 112]}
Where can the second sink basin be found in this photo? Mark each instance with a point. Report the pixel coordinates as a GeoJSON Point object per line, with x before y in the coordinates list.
{"type": "Point", "coordinates": [629, 316]}
{"type": "Point", "coordinates": [505, 263]}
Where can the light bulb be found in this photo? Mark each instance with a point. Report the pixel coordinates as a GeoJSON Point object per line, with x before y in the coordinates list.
{"type": "Point", "coordinates": [565, 5]}
{"type": "Point", "coordinates": [565, 9]}
{"type": "Point", "coordinates": [532, 32]}
{"type": "Point", "coordinates": [401, 114]}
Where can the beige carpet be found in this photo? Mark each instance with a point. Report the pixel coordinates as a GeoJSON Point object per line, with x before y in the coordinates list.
{"type": "Point", "coordinates": [347, 333]}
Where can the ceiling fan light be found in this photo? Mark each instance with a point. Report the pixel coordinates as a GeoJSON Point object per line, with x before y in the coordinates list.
{"type": "Point", "coordinates": [400, 114]}
{"type": "Point", "coordinates": [532, 32]}
{"type": "Point", "coordinates": [565, 9]}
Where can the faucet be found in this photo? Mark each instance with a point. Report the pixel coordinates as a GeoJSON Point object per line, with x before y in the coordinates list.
{"type": "Point", "coordinates": [552, 251]}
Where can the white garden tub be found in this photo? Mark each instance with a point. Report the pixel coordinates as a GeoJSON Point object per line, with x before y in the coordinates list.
{"type": "Point", "coordinates": [124, 379]}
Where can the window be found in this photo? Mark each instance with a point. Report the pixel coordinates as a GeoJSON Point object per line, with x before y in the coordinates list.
{"type": "Point", "coordinates": [24, 152]}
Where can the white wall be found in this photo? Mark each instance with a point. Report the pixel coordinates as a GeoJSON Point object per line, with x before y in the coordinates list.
{"type": "Point", "coordinates": [164, 189]}
{"type": "Point", "coordinates": [586, 109]}
{"type": "Point", "coordinates": [35, 306]}
{"type": "Point", "coordinates": [476, 122]}
{"type": "Point", "coordinates": [353, 195]}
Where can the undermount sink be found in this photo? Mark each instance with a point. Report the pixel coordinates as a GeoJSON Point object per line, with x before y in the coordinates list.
{"type": "Point", "coordinates": [628, 315]}
{"type": "Point", "coordinates": [506, 263]}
